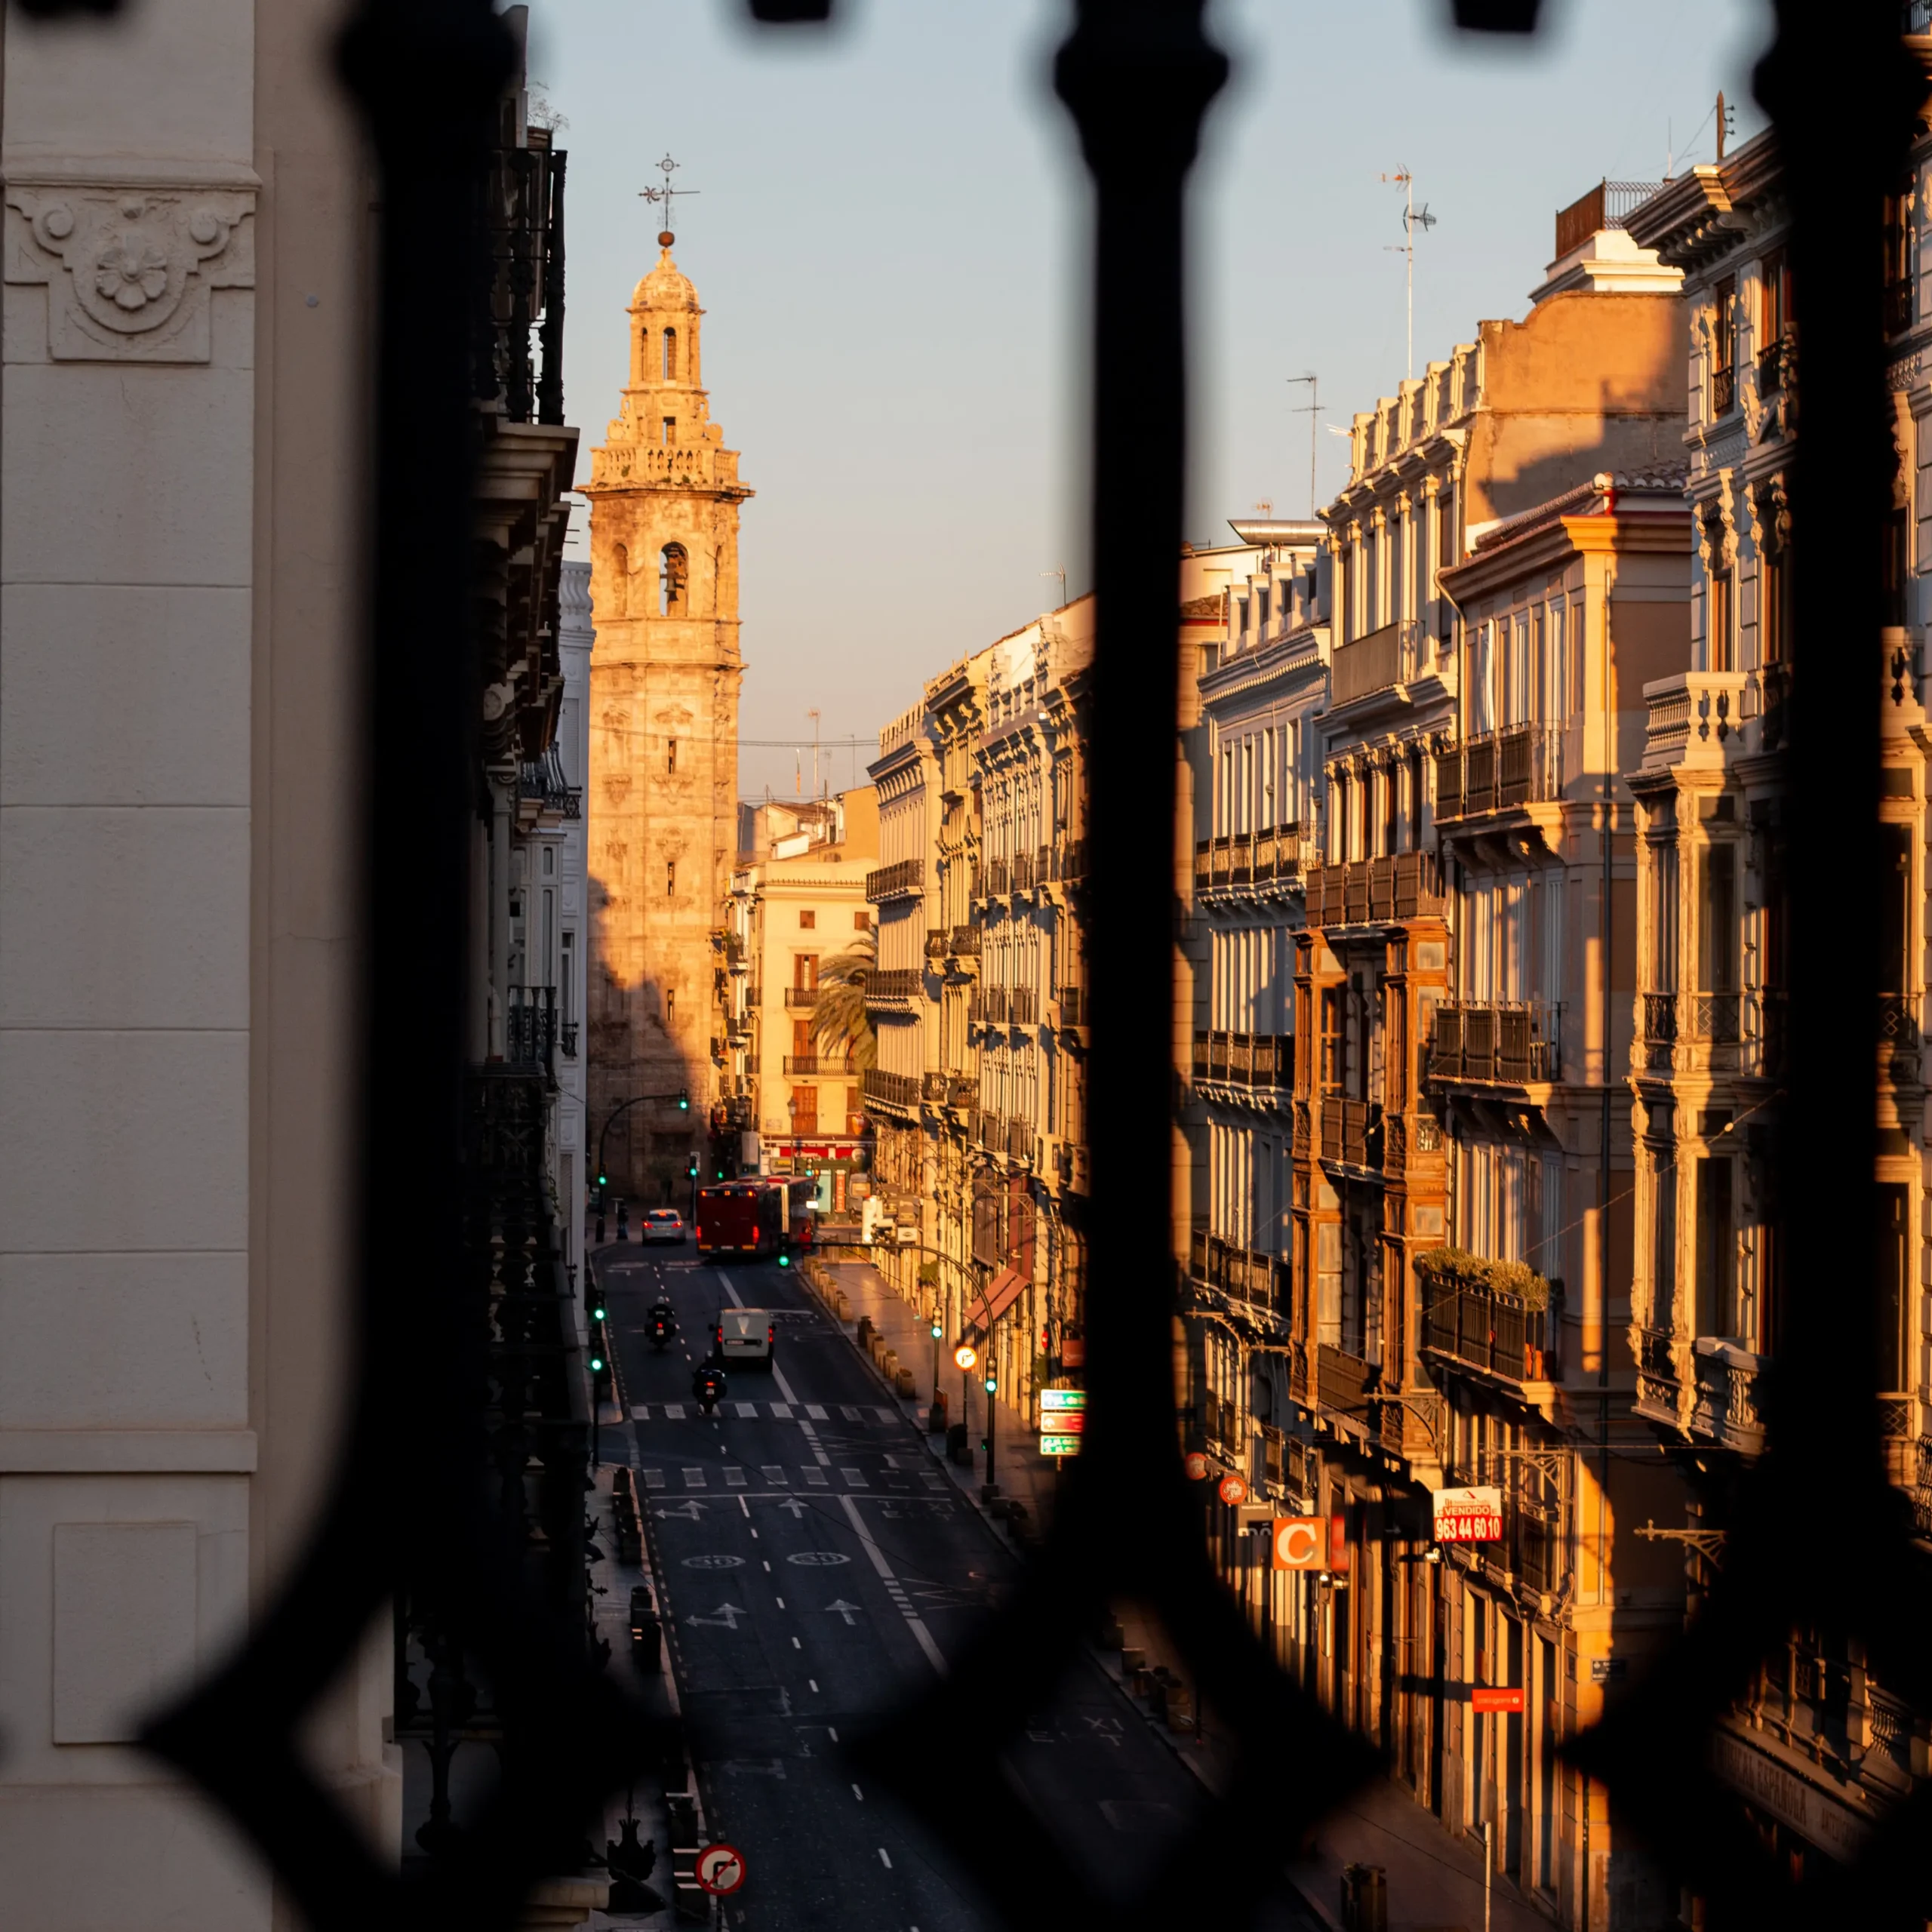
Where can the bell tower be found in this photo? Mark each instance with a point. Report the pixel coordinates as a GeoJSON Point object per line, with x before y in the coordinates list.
{"type": "Point", "coordinates": [663, 781]}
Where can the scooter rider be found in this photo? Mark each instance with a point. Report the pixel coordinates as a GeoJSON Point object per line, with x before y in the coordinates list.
{"type": "Point", "coordinates": [707, 1385]}
{"type": "Point", "coordinates": [663, 1321]}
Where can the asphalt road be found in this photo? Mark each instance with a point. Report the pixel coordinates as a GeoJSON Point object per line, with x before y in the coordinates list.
{"type": "Point", "coordinates": [818, 1566]}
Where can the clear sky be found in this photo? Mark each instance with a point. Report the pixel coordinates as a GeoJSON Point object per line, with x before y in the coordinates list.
{"type": "Point", "coordinates": [889, 240]}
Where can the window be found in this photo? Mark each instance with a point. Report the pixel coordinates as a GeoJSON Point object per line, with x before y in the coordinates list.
{"type": "Point", "coordinates": [567, 997]}
{"type": "Point", "coordinates": [1774, 608]}
{"type": "Point", "coordinates": [1267, 780]}
{"type": "Point", "coordinates": [1556, 664]}
{"type": "Point", "coordinates": [1372, 582]}
{"type": "Point", "coordinates": [1396, 582]}
{"type": "Point", "coordinates": [1663, 1239]}
{"type": "Point", "coordinates": [1896, 565]}
{"type": "Point", "coordinates": [1720, 651]}
{"type": "Point", "coordinates": [1717, 939]}
{"type": "Point", "coordinates": [669, 431]}
{"type": "Point", "coordinates": [1773, 319]}
{"type": "Point", "coordinates": [1895, 913]}
{"type": "Point", "coordinates": [1518, 695]}
{"type": "Point", "coordinates": [670, 877]}
{"type": "Point", "coordinates": [1895, 1278]}
{"type": "Point", "coordinates": [549, 866]}
{"type": "Point", "coordinates": [1716, 1248]}
{"type": "Point", "coordinates": [673, 570]}
{"type": "Point", "coordinates": [1328, 1283]}
{"type": "Point", "coordinates": [1663, 919]}
{"type": "Point", "coordinates": [670, 1009]}
{"type": "Point", "coordinates": [1899, 305]}
{"type": "Point", "coordinates": [1481, 701]}
{"type": "Point", "coordinates": [671, 756]}
{"type": "Point", "coordinates": [670, 355]}
{"type": "Point", "coordinates": [1333, 1022]}
{"type": "Point", "coordinates": [808, 917]}
{"type": "Point", "coordinates": [862, 922]}
{"type": "Point", "coordinates": [1724, 347]}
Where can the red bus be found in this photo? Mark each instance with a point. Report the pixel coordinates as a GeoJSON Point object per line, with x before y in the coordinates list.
{"type": "Point", "coordinates": [754, 1216]}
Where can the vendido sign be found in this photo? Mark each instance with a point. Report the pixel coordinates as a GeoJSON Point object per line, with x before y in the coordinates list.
{"type": "Point", "coordinates": [1468, 1516]}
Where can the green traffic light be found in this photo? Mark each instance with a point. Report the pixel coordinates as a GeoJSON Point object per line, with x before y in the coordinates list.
{"type": "Point", "coordinates": [784, 1261]}
{"type": "Point", "coordinates": [684, 1101]}
{"type": "Point", "coordinates": [993, 1385]}
{"type": "Point", "coordinates": [937, 1331]}
{"type": "Point", "coordinates": [597, 1315]}
{"type": "Point", "coordinates": [597, 1364]}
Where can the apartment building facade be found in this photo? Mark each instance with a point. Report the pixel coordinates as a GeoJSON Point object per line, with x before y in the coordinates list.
{"type": "Point", "coordinates": [797, 904]}
{"type": "Point", "coordinates": [1820, 1748]}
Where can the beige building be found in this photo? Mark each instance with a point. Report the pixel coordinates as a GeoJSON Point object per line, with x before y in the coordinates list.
{"type": "Point", "coordinates": [664, 679]}
{"type": "Point", "coordinates": [1822, 1749]}
{"type": "Point", "coordinates": [798, 902]}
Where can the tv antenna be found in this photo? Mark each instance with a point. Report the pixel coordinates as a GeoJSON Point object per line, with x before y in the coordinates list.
{"type": "Point", "coordinates": [1311, 409]}
{"type": "Point", "coordinates": [665, 195]}
{"type": "Point", "coordinates": [1413, 218]}
{"type": "Point", "coordinates": [1059, 571]}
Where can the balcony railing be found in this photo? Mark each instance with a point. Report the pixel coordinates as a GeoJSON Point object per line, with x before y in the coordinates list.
{"type": "Point", "coordinates": [823, 1063]}
{"type": "Point", "coordinates": [1724, 389]}
{"type": "Point", "coordinates": [567, 1034]}
{"type": "Point", "coordinates": [1070, 861]}
{"type": "Point", "coordinates": [1243, 1274]}
{"type": "Point", "coordinates": [1249, 858]}
{"type": "Point", "coordinates": [1025, 1007]}
{"type": "Point", "coordinates": [1714, 1017]}
{"type": "Point", "coordinates": [965, 943]}
{"type": "Point", "coordinates": [1073, 1006]}
{"type": "Point", "coordinates": [900, 880]}
{"type": "Point", "coordinates": [1497, 1333]}
{"type": "Point", "coordinates": [1406, 885]}
{"type": "Point", "coordinates": [1659, 1020]}
{"type": "Point", "coordinates": [805, 997]}
{"type": "Point", "coordinates": [892, 1089]}
{"type": "Point", "coordinates": [1898, 1020]}
{"type": "Point", "coordinates": [938, 942]}
{"type": "Point", "coordinates": [524, 294]}
{"type": "Point", "coordinates": [993, 882]}
{"type": "Point", "coordinates": [1384, 658]}
{"type": "Point", "coordinates": [961, 1090]}
{"type": "Point", "coordinates": [932, 1089]}
{"type": "Point", "coordinates": [529, 1026]}
{"type": "Point", "coordinates": [894, 983]}
{"type": "Point", "coordinates": [992, 1133]}
{"type": "Point", "coordinates": [543, 792]}
{"type": "Point", "coordinates": [1019, 1140]}
{"type": "Point", "coordinates": [1345, 1383]}
{"type": "Point", "coordinates": [1505, 1042]}
{"type": "Point", "coordinates": [1351, 1131]}
{"type": "Point", "coordinates": [1497, 771]}
{"type": "Point", "coordinates": [1021, 875]}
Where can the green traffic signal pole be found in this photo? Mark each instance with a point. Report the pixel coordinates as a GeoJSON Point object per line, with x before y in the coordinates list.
{"type": "Point", "coordinates": [683, 1098]}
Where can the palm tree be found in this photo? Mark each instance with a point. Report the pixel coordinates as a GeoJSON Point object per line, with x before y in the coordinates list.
{"type": "Point", "coordinates": [840, 1026]}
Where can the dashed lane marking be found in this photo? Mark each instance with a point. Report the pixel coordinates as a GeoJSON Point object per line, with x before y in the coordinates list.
{"type": "Point", "coordinates": [914, 1623]}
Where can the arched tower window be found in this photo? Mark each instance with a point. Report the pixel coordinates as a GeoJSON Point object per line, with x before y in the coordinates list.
{"type": "Point", "coordinates": [670, 355]}
{"type": "Point", "coordinates": [620, 569]}
{"type": "Point", "coordinates": [671, 581]}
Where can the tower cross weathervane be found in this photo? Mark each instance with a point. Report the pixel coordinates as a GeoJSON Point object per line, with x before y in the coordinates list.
{"type": "Point", "coordinates": [665, 195]}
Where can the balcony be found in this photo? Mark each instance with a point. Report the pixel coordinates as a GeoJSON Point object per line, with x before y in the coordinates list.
{"type": "Point", "coordinates": [961, 1090]}
{"type": "Point", "coordinates": [1498, 771]}
{"type": "Point", "coordinates": [1470, 1321]}
{"type": "Point", "coordinates": [932, 1089]}
{"type": "Point", "coordinates": [993, 881]}
{"type": "Point", "coordinates": [1383, 659]}
{"type": "Point", "coordinates": [1345, 1384]}
{"type": "Point", "coordinates": [1021, 873]}
{"type": "Point", "coordinates": [1070, 862]}
{"type": "Point", "coordinates": [988, 1006]}
{"type": "Point", "coordinates": [1243, 1275]}
{"type": "Point", "coordinates": [543, 795]}
{"type": "Point", "coordinates": [898, 1091]}
{"type": "Point", "coordinates": [893, 983]}
{"type": "Point", "coordinates": [965, 943]}
{"type": "Point", "coordinates": [529, 1026]}
{"type": "Point", "coordinates": [1383, 891]}
{"type": "Point", "coordinates": [1706, 719]}
{"type": "Point", "coordinates": [1019, 1140]}
{"type": "Point", "coordinates": [904, 879]}
{"type": "Point", "coordinates": [801, 997]}
{"type": "Point", "coordinates": [992, 1132]}
{"type": "Point", "coordinates": [1070, 1167]}
{"type": "Point", "coordinates": [1724, 389]}
{"type": "Point", "coordinates": [1351, 1132]}
{"type": "Point", "coordinates": [1072, 1007]}
{"type": "Point", "coordinates": [797, 1064]}
{"type": "Point", "coordinates": [1501, 1042]}
{"type": "Point", "coordinates": [754, 996]}
{"type": "Point", "coordinates": [938, 942]}
{"type": "Point", "coordinates": [1025, 1007]}
{"type": "Point", "coordinates": [567, 1034]}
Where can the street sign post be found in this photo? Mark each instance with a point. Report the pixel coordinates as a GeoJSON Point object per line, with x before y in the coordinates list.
{"type": "Point", "coordinates": [721, 1870]}
{"type": "Point", "coordinates": [966, 1355]}
{"type": "Point", "coordinates": [1300, 1542]}
{"type": "Point", "coordinates": [1058, 1445]}
{"type": "Point", "coordinates": [1468, 1516]}
{"type": "Point", "coordinates": [1495, 1697]}
{"type": "Point", "coordinates": [1062, 1401]}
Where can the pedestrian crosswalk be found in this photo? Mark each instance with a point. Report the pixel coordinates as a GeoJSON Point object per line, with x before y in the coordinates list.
{"type": "Point", "coordinates": [773, 1411]}
{"type": "Point", "coordinates": [777, 1478]}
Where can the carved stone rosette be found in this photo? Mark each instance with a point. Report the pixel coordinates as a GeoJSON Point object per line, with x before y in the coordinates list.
{"type": "Point", "coordinates": [128, 270]}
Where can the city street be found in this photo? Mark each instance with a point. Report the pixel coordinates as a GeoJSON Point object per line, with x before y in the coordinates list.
{"type": "Point", "coordinates": [818, 1565]}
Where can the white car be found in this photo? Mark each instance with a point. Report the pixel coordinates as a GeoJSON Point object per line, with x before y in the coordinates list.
{"type": "Point", "coordinates": [662, 1224]}
{"type": "Point", "coordinates": [743, 1335]}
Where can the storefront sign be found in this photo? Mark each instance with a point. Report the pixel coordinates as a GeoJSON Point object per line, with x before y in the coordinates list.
{"type": "Point", "coordinates": [1786, 1794]}
{"type": "Point", "coordinates": [1300, 1542]}
{"type": "Point", "coordinates": [1231, 1490]}
{"type": "Point", "coordinates": [1058, 1444]}
{"type": "Point", "coordinates": [1196, 1466]}
{"type": "Point", "coordinates": [1468, 1516]}
{"type": "Point", "coordinates": [1495, 1697]}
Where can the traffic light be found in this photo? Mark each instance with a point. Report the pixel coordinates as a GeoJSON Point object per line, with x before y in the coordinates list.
{"type": "Point", "coordinates": [684, 1101]}
{"type": "Point", "coordinates": [691, 1167]}
{"type": "Point", "coordinates": [597, 1314]}
{"type": "Point", "coordinates": [601, 1385]}
{"type": "Point", "coordinates": [993, 1383]}
{"type": "Point", "coordinates": [937, 1331]}
{"type": "Point", "coordinates": [784, 1259]}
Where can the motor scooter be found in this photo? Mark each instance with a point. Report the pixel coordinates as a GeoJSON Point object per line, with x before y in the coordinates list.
{"type": "Point", "coordinates": [707, 1385]}
{"type": "Point", "coordinates": [664, 1325]}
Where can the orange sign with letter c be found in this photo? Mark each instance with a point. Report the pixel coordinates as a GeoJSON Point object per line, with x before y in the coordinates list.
{"type": "Point", "coordinates": [1300, 1542]}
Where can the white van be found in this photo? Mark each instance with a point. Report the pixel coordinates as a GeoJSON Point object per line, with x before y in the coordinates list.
{"type": "Point", "coordinates": [744, 1335]}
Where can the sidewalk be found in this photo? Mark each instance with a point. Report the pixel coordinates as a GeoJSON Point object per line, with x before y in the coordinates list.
{"type": "Point", "coordinates": [1025, 1475]}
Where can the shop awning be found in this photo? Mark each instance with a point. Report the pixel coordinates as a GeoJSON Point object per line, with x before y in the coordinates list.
{"type": "Point", "coordinates": [1002, 1293]}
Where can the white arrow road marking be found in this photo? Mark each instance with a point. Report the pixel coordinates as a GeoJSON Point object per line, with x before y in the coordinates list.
{"type": "Point", "coordinates": [728, 1614]}
{"type": "Point", "coordinates": [843, 1609]}
{"type": "Point", "coordinates": [690, 1508]}
{"type": "Point", "coordinates": [916, 1625]}
{"type": "Point", "coordinates": [792, 1503]}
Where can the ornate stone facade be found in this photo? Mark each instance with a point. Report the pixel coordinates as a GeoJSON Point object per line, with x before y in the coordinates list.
{"type": "Point", "coordinates": [664, 681]}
